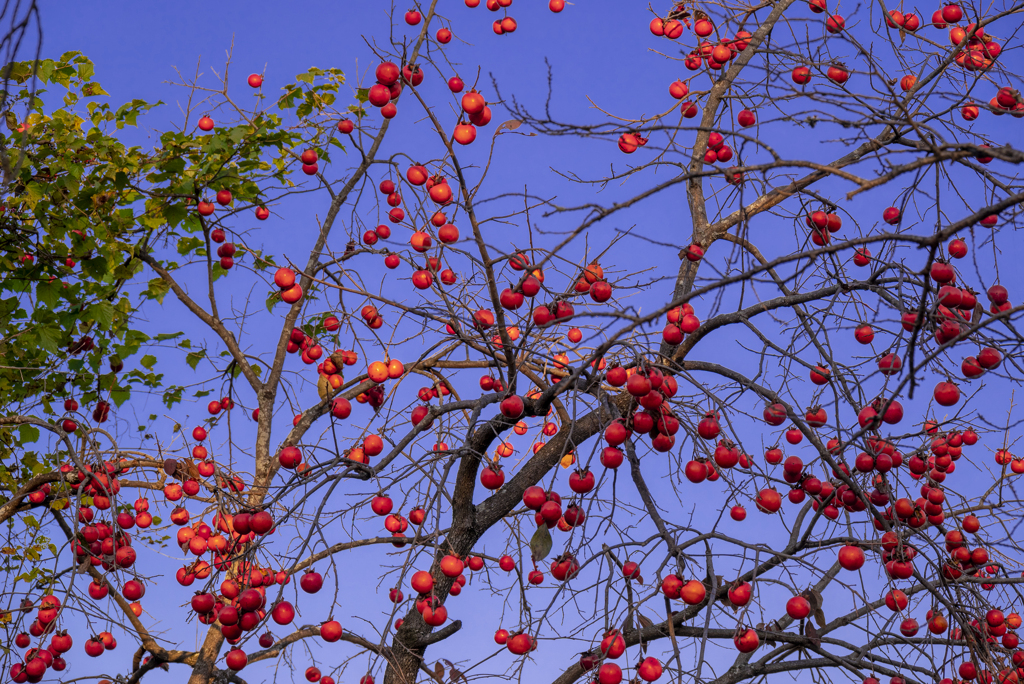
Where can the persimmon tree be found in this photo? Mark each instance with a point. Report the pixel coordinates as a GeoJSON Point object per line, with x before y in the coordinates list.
{"type": "Point", "coordinates": [476, 429]}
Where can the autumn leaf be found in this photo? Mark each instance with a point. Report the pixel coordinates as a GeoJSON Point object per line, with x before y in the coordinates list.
{"type": "Point", "coordinates": [540, 544]}
{"type": "Point", "coordinates": [510, 125]}
{"type": "Point", "coordinates": [322, 388]}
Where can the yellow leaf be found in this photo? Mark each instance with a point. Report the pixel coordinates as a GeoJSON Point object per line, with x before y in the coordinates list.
{"type": "Point", "coordinates": [322, 388]}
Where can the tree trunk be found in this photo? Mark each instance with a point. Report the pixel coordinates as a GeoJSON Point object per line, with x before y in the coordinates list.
{"type": "Point", "coordinates": [206, 663]}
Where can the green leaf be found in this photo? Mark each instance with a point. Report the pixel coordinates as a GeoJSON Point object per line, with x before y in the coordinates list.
{"type": "Point", "coordinates": [18, 72]}
{"type": "Point", "coordinates": [540, 543]}
{"type": "Point", "coordinates": [49, 338]}
{"type": "Point", "coordinates": [93, 90]}
{"type": "Point", "coordinates": [33, 193]}
{"type": "Point", "coordinates": [148, 361]}
{"type": "Point", "coordinates": [157, 288]}
{"type": "Point", "coordinates": [44, 69]}
{"type": "Point", "coordinates": [193, 358]}
{"type": "Point", "coordinates": [102, 313]}
{"type": "Point", "coordinates": [189, 244]}
{"type": "Point", "coordinates": [28, 434]}
{"type": "Point", "coordinates": [272, 299]}
{"type": "Point", "coordinates": [48, 293]}
{"type": "Point", "coordinates": [172, 395]}
{"type": "Point", "coordinates": [86, 70]}
{"type": "Point", "coordinates": [175, 214]}
{"type": "Point", "coordinates": [95, 268]}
